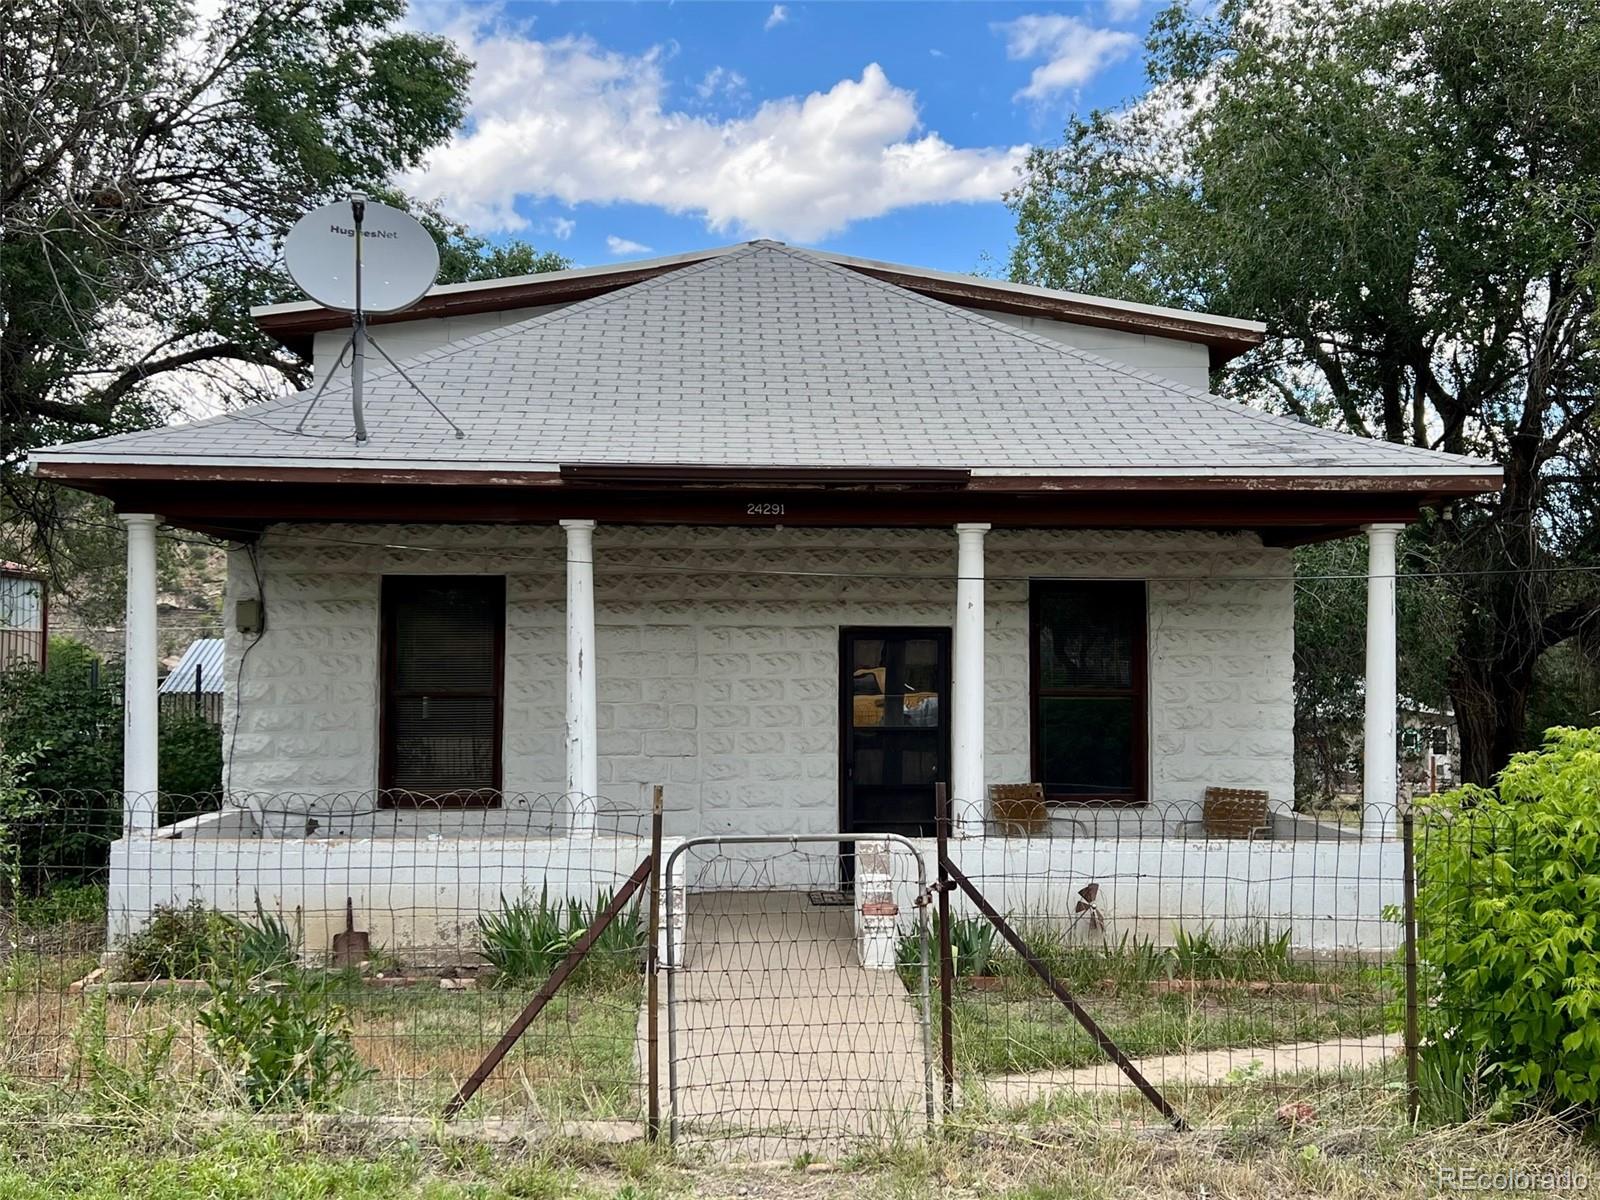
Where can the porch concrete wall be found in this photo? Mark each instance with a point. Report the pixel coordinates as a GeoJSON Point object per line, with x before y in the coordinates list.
{"type": "Point", "coordinates": [420, 896]}
{"type": "Point", "coordinates": [411, 895]}
{"type": "Point", "coordinates": [722, 683]}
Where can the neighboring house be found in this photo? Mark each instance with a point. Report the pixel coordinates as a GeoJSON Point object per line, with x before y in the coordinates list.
{"type": "Point", "coordinates": [791, 534]}
{"type": "Point", "coordinates": [24, 616]}
{"type": "Point", "coordinates": [194, 684]}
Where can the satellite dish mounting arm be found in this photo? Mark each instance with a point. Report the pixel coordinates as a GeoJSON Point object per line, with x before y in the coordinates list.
{"type": "Point", "coordinates": [358, 336]}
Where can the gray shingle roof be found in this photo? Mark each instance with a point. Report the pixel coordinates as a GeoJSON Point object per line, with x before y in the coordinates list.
{"type": "Point", "coordinates": [770, 356]}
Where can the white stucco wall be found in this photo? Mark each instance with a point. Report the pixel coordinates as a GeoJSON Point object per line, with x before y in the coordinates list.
{"type": "Point", "coordinates": [1189, 363]}
{"type": "Point", "coordinates": [720, 682]}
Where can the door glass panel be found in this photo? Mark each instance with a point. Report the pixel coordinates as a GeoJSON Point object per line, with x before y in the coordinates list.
{"type": "Point", "coordinates": [893, 758]}
{"type": "Point", "coordinates": [919, 699]}
{"type": "Point", "coordinates": [1087, 744]}
{"type": "Point", "coordinates": [869, 673]}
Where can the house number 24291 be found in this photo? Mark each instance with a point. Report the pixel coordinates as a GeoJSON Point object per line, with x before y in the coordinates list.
{"type": "Point", "coordinates": [763, 510]}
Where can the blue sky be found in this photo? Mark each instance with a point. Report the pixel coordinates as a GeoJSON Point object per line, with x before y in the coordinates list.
{"type": "Point", "coordinates": [609, 131]}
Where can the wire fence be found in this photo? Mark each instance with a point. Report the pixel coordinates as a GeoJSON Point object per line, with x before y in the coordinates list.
{"type": "Point", "coordinates": [376, 952]}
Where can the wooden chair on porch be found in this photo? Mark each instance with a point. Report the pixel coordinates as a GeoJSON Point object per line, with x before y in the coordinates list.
{"type": "Point", "coordinates": [1235, 813]}
{"type": "Point", "coordinates": [1018, 809]}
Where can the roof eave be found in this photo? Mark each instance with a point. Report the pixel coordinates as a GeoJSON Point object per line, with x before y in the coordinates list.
{"type": "Point", "coordinates": [79, 470]}
{"type": "Point", "coordinates": [295, 324]}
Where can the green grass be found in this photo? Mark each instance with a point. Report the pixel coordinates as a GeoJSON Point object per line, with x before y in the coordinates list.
{"type": "Point", "coordinates": [242, 1162]}
{"type": "Point", "coordinates": [1024, 1029]}
{"type": "Point", "coordinates": [420, 1042]}
{"type": "Point", "coordinates": [576, 1060]}
{"type": "Point", "coordinates": [1357, 1147]}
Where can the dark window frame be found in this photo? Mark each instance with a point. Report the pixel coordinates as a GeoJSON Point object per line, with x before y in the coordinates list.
{"type": "Point", "coordinates": [389, 796]}
{"type": "Point", "coordinates": [1139, 692]}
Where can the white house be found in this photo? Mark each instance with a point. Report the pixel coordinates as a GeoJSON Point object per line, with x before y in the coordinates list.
{"type": "Point", "coordinates": [791, 534]}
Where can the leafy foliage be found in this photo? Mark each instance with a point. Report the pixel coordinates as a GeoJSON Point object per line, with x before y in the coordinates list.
{"type": "Point", "coordinates": [190, 765]}
{"type": "Point", "coordinates": [1330, 612]}
{"type": "Point", "coordinates": [1203, 954]}
{"type": "Point", "coordinates": [1407, 194]}
{"type": "Point", "coordinates": [194, 942]}
{"type": "Point", "coordinates": [178, 942]}
{"type": "Point", "coordinates": [68, 721]}
{"type": "Point", "coordinates": [155, 153]}
{"type": "Point", "coordinates": [285, 1041]}
{"type": "Point", "coordinates": [1508, 917]}
{"type": "Point", "coordinates": [65, 805]}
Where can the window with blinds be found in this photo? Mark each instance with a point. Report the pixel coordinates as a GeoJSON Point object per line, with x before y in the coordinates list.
{"type": "Point", "coordinates": [443, 650]}
{"type": "Point", "coordinates": [1089, 690]}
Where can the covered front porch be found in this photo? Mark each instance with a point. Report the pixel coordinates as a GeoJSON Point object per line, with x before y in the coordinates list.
{"type": "Point", "coordinates": [760, 675]}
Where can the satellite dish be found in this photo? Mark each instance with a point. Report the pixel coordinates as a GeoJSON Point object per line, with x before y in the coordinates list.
{"type": "Point", "coordinates": [362, 257]}
{"type": "Point", "coordinates": [397, 264]}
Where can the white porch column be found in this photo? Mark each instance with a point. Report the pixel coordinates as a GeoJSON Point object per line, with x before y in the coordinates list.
{"type": "Point", "coordinates": [140, 755]}
{"type": "Point", "coordinates": [1380, 757]}
{"type": "Point", "coordinates": [583, 751]}
{"type": "Point", "coordinates": [966, 690]}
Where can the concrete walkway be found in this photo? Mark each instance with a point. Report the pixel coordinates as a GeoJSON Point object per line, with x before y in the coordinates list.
{"type": "Point", "coordinates": [784, 1043]}
{"type": "Point", "coordinates": [1200, 1068]}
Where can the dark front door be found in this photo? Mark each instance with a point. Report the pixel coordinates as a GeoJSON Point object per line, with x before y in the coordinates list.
{"type": "Point", "coordinates": [894, 696]}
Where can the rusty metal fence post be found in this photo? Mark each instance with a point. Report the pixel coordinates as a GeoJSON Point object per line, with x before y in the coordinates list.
{"type": "Point", "coordinates": [947, 973]}
{"type": "Point", "coordinates": [548, 989]}
{"type": "Point", "coordinates": [1409, 898]}
{"type": "Point", "coordinates": [652, 984]}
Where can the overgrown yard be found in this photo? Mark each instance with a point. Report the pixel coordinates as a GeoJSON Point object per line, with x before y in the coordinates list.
{"type": "Point", "coordinates": [1020, 1029]}
{"type": "Point", "coordinates": [1066, 1155]}
{"type": "Point", "coordinates": [155, 1039]}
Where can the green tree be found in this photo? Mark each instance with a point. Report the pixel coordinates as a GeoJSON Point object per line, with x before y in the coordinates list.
{"type": "Point", "coordinates": [1407, 193]}
{"type": "Point", "coordinates": [150, 163]}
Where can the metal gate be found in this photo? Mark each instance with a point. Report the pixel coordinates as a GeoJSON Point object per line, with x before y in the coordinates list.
{"type": "Point", "coordinates": [797, 1012]}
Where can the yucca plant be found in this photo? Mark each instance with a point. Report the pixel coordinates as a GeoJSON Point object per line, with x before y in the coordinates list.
{"type": "Point", "coordinates": [525, 939]}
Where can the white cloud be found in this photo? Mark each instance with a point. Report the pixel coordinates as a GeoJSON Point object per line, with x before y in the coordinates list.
{"type": "Point", "coordinates": [572, 121]}
{"type": "Point", "coordinates": [1074, 52]}
{"type": "Point", "coordinates": [778, 15]}
{"type": "Point", "coordinates": [560, 228]}
{"type": "Point", "coordinates": [1123, 10]}
{"type": "Point", "coordinates": [720, 80]}
{"type": "Point", "coordinates": [621, 245]}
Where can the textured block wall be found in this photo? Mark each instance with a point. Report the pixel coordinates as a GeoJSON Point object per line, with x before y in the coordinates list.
{"type": "Point", "coordinates": [718, 656]}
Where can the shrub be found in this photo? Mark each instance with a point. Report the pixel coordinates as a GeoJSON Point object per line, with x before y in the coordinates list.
{"type": "Point", "coordinates": [1508, 920]}
{"type": "Point", "coordinates": [972, 948]}
{"type": "Point", "coordinates": [68, 720]}
{"type": "Point", "coordinates": [191, 766]}
{"type": "Point", "coordinates": [283, 1041]}
{"type": "Point", "coordinates": [176, 943]}
{"type": "Point", "coordinates": [195, 942]}
{"type": "Point", "coordinates": [1202, 954]}
{"type": "Point", "coordinates": [526, 939]}
{"type": "Point", "coordinates": [70, 728]}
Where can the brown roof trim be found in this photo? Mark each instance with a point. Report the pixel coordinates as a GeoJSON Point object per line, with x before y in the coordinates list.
{"type": "Point", "coordinates": [1224, 344]}
{"type": "Point", "coordinates": [295, 329]}
{"type": "Point", "coordinates": [605, 476]}
{"type": "Point", "coordinates": [242, 510]}
{"type": "Point", "coordinates": [657, 474]}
